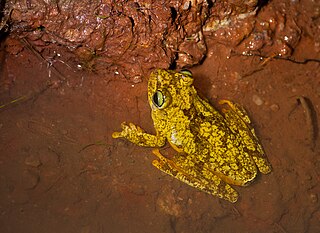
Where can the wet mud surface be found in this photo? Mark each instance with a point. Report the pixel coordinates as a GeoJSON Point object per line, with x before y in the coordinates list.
{"type": "Point", "coordinates": [60, 170]}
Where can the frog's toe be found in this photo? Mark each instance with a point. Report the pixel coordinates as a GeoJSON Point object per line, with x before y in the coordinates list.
{"type": "Point", "coordinates": [235, 107]}
{"type": "Point", "coordinates": [132, 126]}
{"type": "Point", "coordinates": [226, 102]}
{"type": "Point", "coordinates": [116, 135]}
{"type": "Point", "coordinates": [229, 103]}
{"type": "Point", "coordinates": [128, 127]}
{"type": "Point", "coordinates": [230, 194]}
{"type": "Point", "coordinates": [263, 166]}
{"type": "Point", "coordinates": [124, 125]}
{"type": "Point", "coordinates": [265, 169]}
{"type": "Point", "coordinates": [125, 129]}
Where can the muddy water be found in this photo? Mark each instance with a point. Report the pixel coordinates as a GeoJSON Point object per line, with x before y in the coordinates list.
{"type": "Point", "coordinates": [61, 171]}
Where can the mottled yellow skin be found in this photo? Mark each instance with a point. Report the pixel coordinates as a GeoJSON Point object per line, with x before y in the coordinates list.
{"type": "Point", "coordinates": [214, 149]}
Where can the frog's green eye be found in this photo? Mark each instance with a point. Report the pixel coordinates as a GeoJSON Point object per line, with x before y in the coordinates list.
{"type": "Point", "coordinates": [186, 77]}
{"type": "Point", "coordinates": [158, 99]}
{"type": "Point", "coordinates": [186, 72]}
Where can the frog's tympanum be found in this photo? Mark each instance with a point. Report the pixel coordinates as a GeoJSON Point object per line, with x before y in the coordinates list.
{"type": "Point", "coordinates": [214, 149]}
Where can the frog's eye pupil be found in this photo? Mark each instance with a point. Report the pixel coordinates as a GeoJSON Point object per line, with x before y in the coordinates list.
{"type": "Point", "coordinates": [158, 99]}
{"type": "Point", "coordinates": [186, 72]}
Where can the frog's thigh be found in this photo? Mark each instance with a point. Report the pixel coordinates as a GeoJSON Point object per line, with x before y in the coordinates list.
{"type": "Point", "coordinates": [239, 121]}
{"type": "Point", "coordinates": [251, 143]}
{"type": "Point", "coordinates": [203, 180]}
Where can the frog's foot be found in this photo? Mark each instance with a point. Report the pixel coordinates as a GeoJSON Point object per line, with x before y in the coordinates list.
{"type": "Point", "coordinates": [138, 136]}
{"type": "Point", "coordinates": [128, 130]}
{"type": "Point", "coordinates": [209, 182]}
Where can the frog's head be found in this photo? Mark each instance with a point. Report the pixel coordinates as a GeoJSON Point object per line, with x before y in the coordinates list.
{"type": "Point", "coordinates": [168, 88]}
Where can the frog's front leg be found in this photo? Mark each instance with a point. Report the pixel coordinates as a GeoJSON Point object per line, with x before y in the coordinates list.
{"type": "Point", "coordinates": [186, 171]}
{"type": "Point", "coordinates": [138, 136]}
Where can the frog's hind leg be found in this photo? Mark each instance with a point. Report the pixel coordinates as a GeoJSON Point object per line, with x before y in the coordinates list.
{"type": "Point", "coordinates": [181, 170]}
{"type": "Point", "coordinates": [240, 123]}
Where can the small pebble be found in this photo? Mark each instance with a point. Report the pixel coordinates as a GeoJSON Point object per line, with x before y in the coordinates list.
{"type": "Point", "coordinates": [64, 132]}
{"type": "Point", "coordinates": [275, 107]}
{"type": "Point", "coordinates": [186, 5]}
{"type": "Point", "coordinates": [257, 100]}
{"type": "Point", "coordinates": [32, 161]}
{"type": "Point", "coordinates": [137, 79]}
{"type": "Point", "coordinates": [318, 91]}
{"type": "Point", "coordinates": [30, 179]}
{"type": "Point", "coordinates": [313, 197]}
{"type": "Point", "coordinates": [236, 76]}
{"type": "Point", "coordinates": [138, 190]}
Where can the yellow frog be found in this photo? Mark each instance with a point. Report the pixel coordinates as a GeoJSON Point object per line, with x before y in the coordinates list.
{"type": "Point", "coordinates": [214, 149]}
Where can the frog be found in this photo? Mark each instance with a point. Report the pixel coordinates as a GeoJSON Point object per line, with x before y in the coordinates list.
{"type": "Point", "coordinates": [214, 148]}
